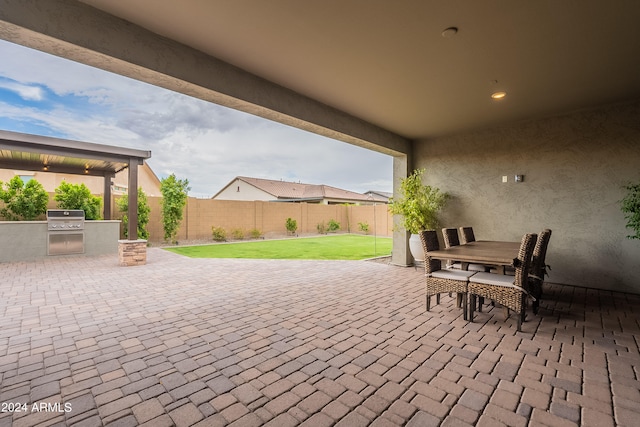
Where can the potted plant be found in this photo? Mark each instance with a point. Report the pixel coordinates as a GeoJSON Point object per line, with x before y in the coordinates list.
{"type": "Point", "coordinates": [419, 206]}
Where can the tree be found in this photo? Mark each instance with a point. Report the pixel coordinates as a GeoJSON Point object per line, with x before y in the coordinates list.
{"type": "Point", "coordinates": [23, 201]}
{"type": "Point", "coordinates": [143, 214]}
{"type": "Point", "coordinates": [78, 196]}
{"type": "Point", "coordinates": [174, 198]}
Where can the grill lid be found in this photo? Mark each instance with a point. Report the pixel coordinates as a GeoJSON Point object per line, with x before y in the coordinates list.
{"type": "Point", "coordinates": [65, 219]}
{"type": "Point", "coordinates": [65, 214]}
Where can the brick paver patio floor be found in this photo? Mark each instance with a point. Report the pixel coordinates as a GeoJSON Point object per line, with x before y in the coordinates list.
{"type": "Point", "coordinates": [211, 342]}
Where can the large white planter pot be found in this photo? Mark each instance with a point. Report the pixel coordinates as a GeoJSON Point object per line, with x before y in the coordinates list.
{"type": "Point", "coordinates": [415, 247]}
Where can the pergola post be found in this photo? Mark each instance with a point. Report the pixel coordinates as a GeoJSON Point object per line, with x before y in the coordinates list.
{"type": "Point", "coordinates": [133, 251]}
{"type": "Point", "coordinates": [133, 199]}
{"type": "Point", "coordinates": [106, 214]}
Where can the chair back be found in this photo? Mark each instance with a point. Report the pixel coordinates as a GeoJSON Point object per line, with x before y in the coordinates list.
{"type": "Point", "coordinates": [429, 240]}
{"type": "Point", "coordinates": [538, 265]}
{"type": "Point", "coordinates": [467, 235]}
{"type": "Point", "coordinates": [450, 237]}
{"type": "Point", "coordinates": [524, 259]}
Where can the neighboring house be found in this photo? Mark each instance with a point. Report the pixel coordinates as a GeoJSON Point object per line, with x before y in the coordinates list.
{"type": "Point", "coordinates": [250, 189]}
{"type": "Point", "coordinates": [147, 180]}
{"type": "Point", "coordinates": [379, 196]}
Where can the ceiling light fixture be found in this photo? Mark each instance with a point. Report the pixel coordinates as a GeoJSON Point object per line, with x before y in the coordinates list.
{"type": "Point", "coordinates": [498, 95]}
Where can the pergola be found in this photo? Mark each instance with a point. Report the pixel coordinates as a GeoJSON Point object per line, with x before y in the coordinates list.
{"type": "Point", "coordinates": [46, 154]}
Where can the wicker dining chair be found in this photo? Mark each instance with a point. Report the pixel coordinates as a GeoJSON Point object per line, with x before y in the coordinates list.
{"type": "Point", "coordinates": [538, 268]}
{"type": "Point", "coordinates": [450, 238]}
{"type": "Point", "coordinates": [537, 271]}
{"type": "Point", "coordinates": [467, 235]}
{"type": "Point", "coordinates": [510, 291]}
{"type": "Point", "coordinates": [439, 280]}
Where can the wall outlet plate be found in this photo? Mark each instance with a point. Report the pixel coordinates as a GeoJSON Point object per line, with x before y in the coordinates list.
{"type": "Point", "coordinates": [504, 178]}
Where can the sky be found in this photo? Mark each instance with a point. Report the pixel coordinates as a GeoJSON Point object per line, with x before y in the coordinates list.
{"type": "Point", "coordinates": [207, 144]}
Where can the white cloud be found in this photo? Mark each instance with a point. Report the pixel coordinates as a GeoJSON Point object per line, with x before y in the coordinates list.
{"type": "Point", "coordinates": [26, 92]}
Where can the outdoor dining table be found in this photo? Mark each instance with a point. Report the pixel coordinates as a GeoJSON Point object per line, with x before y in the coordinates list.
{"type": "Point", "coordinates": [488, 252]}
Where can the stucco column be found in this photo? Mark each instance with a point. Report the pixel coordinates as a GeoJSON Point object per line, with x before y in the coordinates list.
{"type": "Point", "coordinates": [401, 254]}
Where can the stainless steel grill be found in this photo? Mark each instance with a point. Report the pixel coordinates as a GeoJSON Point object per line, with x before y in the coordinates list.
{"type": "Point", "coordinates": [65, 232]}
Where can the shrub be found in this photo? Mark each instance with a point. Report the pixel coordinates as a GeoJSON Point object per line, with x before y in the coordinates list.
{"type": "Point", "coordinates": [23, 201]}
{"type": "Point", "coordinates": [174, 198]}
{"type": "Point", "coordinates": [291, 225]}
{"type": "Point", "coordinates": [237, 233]}
{"type": "Point", "coordinates": [333, 226]}
{"type": "Point", "coordinates": [364, 227]}
{"type": "Point", "coordinates": [219, 234]}
{"type": "Point", "coordinates": [322, 228]}
{"type": "Point", "coordinates": [143, 214]}
{"type": "Point", "coordinates": [78, 196]}
{"type": "Point", "coordinates": [255, 233]}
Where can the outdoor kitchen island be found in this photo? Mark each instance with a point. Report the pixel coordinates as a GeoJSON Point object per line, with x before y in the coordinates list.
{"type": "Point", "coordinates": [29, 240]}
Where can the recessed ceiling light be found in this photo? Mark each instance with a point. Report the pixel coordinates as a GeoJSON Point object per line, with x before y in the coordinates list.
{"type": "Point", "coordinates": [450, 32]}
{"type": "Point", "coordinates": [498, 95]}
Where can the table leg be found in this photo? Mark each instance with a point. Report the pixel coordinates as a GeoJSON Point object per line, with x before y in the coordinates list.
{"type": "Point", "coordinates": [465, 305]}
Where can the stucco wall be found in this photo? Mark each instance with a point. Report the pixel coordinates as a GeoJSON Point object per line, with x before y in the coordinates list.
{"type": "Point", "coordinates": [575, 167]}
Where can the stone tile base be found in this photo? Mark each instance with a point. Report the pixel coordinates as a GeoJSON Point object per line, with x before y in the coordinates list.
{"type": "Point", "coordinates": [132, 252]}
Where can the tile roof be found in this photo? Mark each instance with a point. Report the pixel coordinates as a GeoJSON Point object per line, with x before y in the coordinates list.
{"type": "Point", "coordinates": [297, 190]}
{"type": "Point", "coordinates": [381, 196]}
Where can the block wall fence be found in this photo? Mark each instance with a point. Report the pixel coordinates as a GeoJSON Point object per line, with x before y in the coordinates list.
{"type": "Point", "coordinates": [267, 217]}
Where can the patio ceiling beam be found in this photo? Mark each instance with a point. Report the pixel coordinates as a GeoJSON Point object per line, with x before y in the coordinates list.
{"type": "Point", "coordinates": [79, 32]}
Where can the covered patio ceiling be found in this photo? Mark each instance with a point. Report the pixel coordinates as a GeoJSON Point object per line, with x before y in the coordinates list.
{"type": "Point", "coordinates": [392, 64]}
{"type": "Point", "coordinates": [398, 66]}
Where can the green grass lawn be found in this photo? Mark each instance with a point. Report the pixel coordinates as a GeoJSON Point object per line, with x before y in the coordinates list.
{"type": "Point", "coordinates": [333, 247]}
